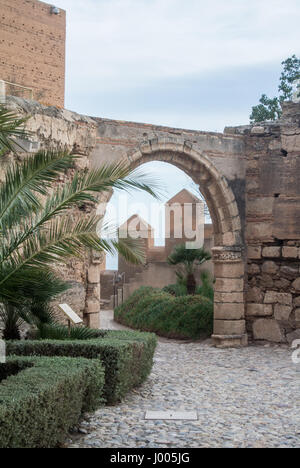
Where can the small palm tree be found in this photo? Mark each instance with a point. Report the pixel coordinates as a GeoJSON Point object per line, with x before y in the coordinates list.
{"type": "Point", "coordinates": [40, 227]}
{"type": "Point", "coordinates": [188, 259]}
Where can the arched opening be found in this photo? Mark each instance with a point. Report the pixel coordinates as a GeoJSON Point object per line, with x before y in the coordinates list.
{"type": "Point", "coordinates": [228, 251]}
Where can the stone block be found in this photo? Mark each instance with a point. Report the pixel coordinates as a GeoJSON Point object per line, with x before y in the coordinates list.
{"type": "Point", "coordinates": [92, 306]}
{"type": "Point", "coordinates": [260, 206]}
{"type": "Point", "coordinates": [297, 301]}
{"type": "Point", "coordinates": [266, 281]}
{"type": "Point", "coordinates": [290, 252]}
{"type": "Point", "coordinates": [271, 252]}
{"type": "Point", "coordinates": [296, 284]}
{"type": "Point", "coordinates": [229, 284]}
{"type": "Point", "coordinates": [229, 327]}
{"type": "Point", "coordinates": [230, 341]}
{"type": "Point", "coordinates": [297, 315]}
{"type": "Point", "coordinates": [229, 297]}
{"type": "Point", "coordinates": [254, 252]}
{"type": "Point", "coordinates": [294, 335]}
{"type": "Point", "coordinates": [268, 330]}
{"type": "Point", "coordinates": [289, 272]}
{"type": "Point", "coordinates": [228, 238]}
{"type": "Point", "coordinates": [282, 312]}
{"type": "Point", "coordinates": [94, 274]}
{"type": "Point", "coordinates": [282, 283]}
{"type": "Point", "coordinates": [259, 310]}
{"type": "Point", "coordinates": [255, 295]}
{"type": "Point", "coordinates": [229, 270]}
{"type": "Point", "coordinates": [272, 297]}
{"type": "Point", "coordinates": [259, 230]}
{"type": "Point", "coordinates": [93, 320]}
{"type": "Point", "coordinates": [227, 311]}
{"type": "Point", "coordinates": [269, 267]}
{"type": "Point", "coordinates": [253, 269]}
{"type": "Point", "coordinates": [258, 130]}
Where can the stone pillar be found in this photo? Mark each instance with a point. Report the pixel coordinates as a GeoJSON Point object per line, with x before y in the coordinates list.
{"type": "Point", "coordinates": [229, 304]}
{"type": "Point", "coordinates": [92, 305]}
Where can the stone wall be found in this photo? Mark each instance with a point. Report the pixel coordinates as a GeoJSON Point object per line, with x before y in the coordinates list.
{"type": "Point", "coordinates": [250, 178]}
{"type": "Point", "coordinates": [273, 227]}
{"type": "Point", "coordinates": [33, 50]}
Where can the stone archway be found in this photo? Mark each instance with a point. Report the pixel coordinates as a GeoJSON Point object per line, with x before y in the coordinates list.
{"type": "Point", "coordinates": [228, 253]}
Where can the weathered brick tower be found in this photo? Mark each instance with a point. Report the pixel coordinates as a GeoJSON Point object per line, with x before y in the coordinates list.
{"type": "Point", "coordinates": [32, 62]}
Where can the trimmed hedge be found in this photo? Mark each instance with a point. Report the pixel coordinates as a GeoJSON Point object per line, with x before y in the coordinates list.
{"type": "Point", "coordinates": [42, 398]}
{"type": "Point", "coordinates": [127, 357]}
{"type": "Point", "coordinates": [158, 311]}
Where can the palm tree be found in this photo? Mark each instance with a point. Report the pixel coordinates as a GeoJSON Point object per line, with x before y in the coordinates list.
{"type": "Point", "coordinates": [40, 226]}
{"type": "Point", "coordinates": [188, 259]}
{"type": "Point", "coordinates": [11, 127]}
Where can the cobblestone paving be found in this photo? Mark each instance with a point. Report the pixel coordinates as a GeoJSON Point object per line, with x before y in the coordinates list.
{"type": "Point", "coordinates": [244, 398]}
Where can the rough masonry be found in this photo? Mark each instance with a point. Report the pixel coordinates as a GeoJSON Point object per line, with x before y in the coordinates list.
{"type": "Point", "coordinates": [250, 178]}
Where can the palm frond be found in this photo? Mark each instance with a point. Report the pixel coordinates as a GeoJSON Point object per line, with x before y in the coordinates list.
{"type": "Point", "coordinates": [23, 182]}
{"type": "Point", "coordinates": [11, 126]}
{"type": "Point", "coordinates": [59, 332]}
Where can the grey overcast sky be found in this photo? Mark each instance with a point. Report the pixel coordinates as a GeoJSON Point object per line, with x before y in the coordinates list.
{"type": "Point", "coordinates": [184, 63]}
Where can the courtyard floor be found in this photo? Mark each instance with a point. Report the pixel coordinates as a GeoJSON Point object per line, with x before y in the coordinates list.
{"type": "Point", "coordinates": [244, 398]}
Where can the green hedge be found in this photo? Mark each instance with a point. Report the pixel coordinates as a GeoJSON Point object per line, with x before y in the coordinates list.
{"type": "Point", "coordinates": [158, 311]}
{"type": "Point", "coordinates": [127, 357]}
{"type": "Point", "coordinates": [42, 398]}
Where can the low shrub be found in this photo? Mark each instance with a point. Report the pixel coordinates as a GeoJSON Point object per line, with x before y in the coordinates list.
{"type": "Point", "coordinates": [42, 398]}
{"type": "Point", "coordinates": [127, 357]}
{"type": "Point", "coordinates": [157, 311]}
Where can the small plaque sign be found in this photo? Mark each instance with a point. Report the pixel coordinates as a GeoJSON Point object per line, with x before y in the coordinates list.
{"type": "Point", "coordinates": [71, 315]}
{"type": "Point", "coordinates": [172, 415]}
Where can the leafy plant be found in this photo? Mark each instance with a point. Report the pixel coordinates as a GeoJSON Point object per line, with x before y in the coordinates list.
{"type": "Point", "coordinates": [206, 289]}
{"type": "Point", "coordinates": [188, 259]}
{"type": "Point", "coordinates": [154, 310]}
{"type": "Point", "coordinates": [177, 289]}
{"type": "Point", "coordinates": [269, 108]}
{"type": "Point", "coordinates": [56, 331]}
{"type": "Point", "coordinates": [11, 127]}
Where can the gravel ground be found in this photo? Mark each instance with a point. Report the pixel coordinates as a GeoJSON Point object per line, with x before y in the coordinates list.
{"type": "Point", "coordinates": [244, 398]}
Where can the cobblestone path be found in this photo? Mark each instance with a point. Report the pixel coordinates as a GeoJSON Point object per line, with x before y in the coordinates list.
{"type": "Point", "coordinates": [244, 398]}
